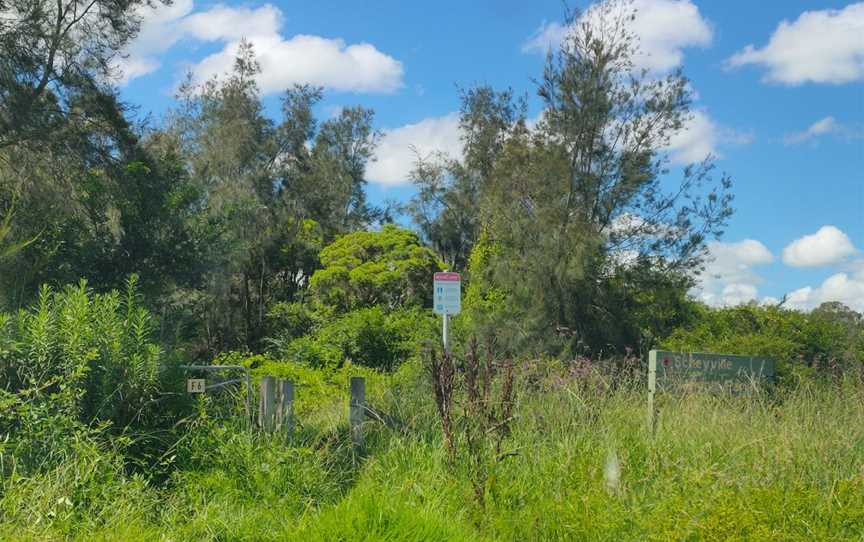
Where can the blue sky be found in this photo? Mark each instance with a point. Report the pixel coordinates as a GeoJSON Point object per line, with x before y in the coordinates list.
{"type": "Point", "coordinates": [780, 90]}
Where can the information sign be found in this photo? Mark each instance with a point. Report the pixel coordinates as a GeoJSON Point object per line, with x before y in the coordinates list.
{"type": "Point", "coordinates": [447, 298]}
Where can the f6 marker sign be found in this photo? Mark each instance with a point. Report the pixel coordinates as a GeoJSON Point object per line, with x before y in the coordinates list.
{"type": "Point", "coordinates": [447, 298]}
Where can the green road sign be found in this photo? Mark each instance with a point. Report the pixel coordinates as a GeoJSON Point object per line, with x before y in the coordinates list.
{"type": "Point", "coordinates": [671, 369]}
{"type": "Point", "coordinates": [692, 366]}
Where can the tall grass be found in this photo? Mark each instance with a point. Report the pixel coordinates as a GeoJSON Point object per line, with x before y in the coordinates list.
{"type": "Point", "coordinates": [754, 466]}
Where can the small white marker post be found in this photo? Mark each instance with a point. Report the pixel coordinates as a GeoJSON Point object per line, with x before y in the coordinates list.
{"type": "Point", "coordinates": [652, 387]}
{"type": "Point", "coordinates": [447, 300]}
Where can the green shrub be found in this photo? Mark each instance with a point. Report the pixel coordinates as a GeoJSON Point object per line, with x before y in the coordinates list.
{"type": "Point", "coordinates": [76, 359]}
{"type": "Point", "coordinates": [371, 337]}
{"type": "Point", "coordinates": [800, 343]}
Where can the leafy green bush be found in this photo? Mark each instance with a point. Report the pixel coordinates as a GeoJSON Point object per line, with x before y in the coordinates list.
{"type": "Point", "coordinates": [800, 343]}
{"type": "Point", "coordinates": [371, 337]}
{"type": "Point", "coordinates": [75, 359]}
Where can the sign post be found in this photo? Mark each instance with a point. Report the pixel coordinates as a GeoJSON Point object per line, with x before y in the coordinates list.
{"type": "Point", "coordinates": [447, 299]}
{"type": "Point", "coordinates": [671, 369]}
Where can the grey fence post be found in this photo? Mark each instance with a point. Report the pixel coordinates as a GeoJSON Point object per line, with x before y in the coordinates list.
{"type": "Point", "coordinates": [357, 410]}
{"type": "Point", "coordinates": [652, 388]}
{"type": "Point", "coordinates": [267, 404]}
{"type": "Point", "coordinates": [285, 410]}
{"type": "Point", "coordinates": [250, 420]}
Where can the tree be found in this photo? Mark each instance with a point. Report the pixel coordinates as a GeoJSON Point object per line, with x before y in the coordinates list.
{"type": "Point", "coordinates": [389, 268]}
{"type": "Point", "coordinates": [273, 194]}
{"type": "Point", "coordinates": [577, 208]}
{"type": "Point", "coordinates": [52, 54]}
{"type": "Point", "coordinates": [105, 211]}
{"type": "Point", "coordinates": [446, 207]}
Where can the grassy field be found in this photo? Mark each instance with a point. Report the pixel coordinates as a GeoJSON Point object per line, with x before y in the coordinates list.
{"type": "Point", "coordinates": [580, 465]}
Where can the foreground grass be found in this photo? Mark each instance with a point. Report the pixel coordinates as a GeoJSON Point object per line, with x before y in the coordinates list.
{"type": "Point", "coordinates": [747, 467]}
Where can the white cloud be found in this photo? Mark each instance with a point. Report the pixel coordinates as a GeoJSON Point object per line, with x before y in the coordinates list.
{"type": "Point", "coordinates": [729, 277]}
{"type": "Point", "coordinates": [160, 30]}
{"type": "Point", "coordinates": [818, 128]}
{"type": "Point", "coordinates": [827, 246]}
{"type": "Point", "coordinates": [222, 23]}
{"type": "Point", "coordinates": [823, 127]}
{"type": "Point", "coordinates": [547, 36]}
{"type": "Point", "coordinates": [310, 59]}
{"type": "Point", "coordinates": [398, 149]}
{"type": "Point", "coordinates": [820, 46]}
{"type": "Point", "coordinates": [736, 294]}
{"type": "Point", "coordinates": [701, 137]}
{"type": "Point", "coordinates": [664, 28]}
{"type": "Point", "coordinates": [845, 288]}
{"type": "Point", "coordinates": [131, 68]}
{"type": "Point", "coordinates": [695, 141]}
{"type": "Point", "coordinates": [327, 62]}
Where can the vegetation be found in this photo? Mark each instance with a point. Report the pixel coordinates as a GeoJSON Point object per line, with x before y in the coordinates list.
{"type": "Point", "coordinates": [583, 467]}
{"type": "Point", "coordinates": [222, 235]}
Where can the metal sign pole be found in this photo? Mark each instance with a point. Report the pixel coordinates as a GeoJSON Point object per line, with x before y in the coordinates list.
{"type": "Point", "coordinates": [446, 319]}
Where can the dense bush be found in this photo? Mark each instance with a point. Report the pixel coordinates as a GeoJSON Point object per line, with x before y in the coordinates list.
{"type": "Point", "coordinates": [372, 337]}
{"type": "Point", "coordinates": [76, 359]}
{"type": "Point", "coordinates": [627, 308]}
{"type": "Point", "coordinates": [829, 338]}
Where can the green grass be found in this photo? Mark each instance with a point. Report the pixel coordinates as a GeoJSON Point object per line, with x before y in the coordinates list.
{"type": "Point", "coordinates": [746, 467]}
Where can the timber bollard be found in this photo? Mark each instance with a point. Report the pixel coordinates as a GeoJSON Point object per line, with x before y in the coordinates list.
{"type": "Point", "coordinates": [267, 404]}
{"type": "Point", "coordinates": [285, 410]}
{"type": "Point", "coordinates": [357, 409]}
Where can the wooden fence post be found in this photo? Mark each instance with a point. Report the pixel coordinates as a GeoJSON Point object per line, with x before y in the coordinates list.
{"type": "Point", "coordinates": [267, 404]}
{"type": "Point", "coordinates": [285, 410]}
{"type": "Point", "coordinates": [357, 409]}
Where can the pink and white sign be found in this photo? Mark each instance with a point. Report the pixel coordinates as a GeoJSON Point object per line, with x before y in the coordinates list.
{"type": "Point", "coordinates": [447, 298]}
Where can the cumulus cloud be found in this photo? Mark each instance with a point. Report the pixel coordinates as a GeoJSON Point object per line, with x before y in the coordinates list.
{"type": "Point", "coordinates": [399, 148]}
{"type": "Point", "coordinates": [827, 246]}
{"type": "Point", "coordinates": [226, 23]}
{"type": "Point", "coordinates": [843, 287]}
{"type": "Point", "coordinates": [328, 62]}
{"type": "Point", "coordinates": [729, 277]}
{"type": "Point", "coordinates": [701, 137]}
{"type": "Point", "coordinates": [160, 30]}
{"type": "Point", "coordinates": [696, 141]}
{"type": "Point", "coordinates": [664, 28]}
{"type": "Point", "coordinates": [820, 47]}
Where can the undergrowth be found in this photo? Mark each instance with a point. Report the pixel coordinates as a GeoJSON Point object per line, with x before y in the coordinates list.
{"type": "Point", "coordinates": [754, 466]}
